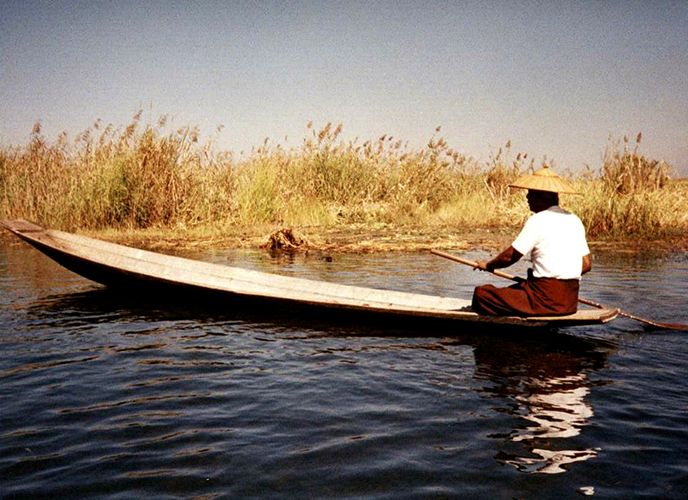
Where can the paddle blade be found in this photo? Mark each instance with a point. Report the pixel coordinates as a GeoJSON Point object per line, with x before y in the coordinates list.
{"type": "Point", "coordinates": [658, 325]}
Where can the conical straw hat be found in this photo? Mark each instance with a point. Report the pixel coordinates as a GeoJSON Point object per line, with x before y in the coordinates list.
{"type": "Point", "coordinates": [544, 180]}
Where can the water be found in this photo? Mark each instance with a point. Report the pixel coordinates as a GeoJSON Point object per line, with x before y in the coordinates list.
{"type": "Point", "coordinates": [120, 397]}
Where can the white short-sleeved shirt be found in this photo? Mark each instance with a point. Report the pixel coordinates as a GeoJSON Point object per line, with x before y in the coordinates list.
{"type": "Point", "coordinates": [554, 241]}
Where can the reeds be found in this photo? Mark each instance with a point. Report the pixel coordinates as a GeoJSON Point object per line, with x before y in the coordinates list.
{"type": "Point", "coordinates": [633, 196]}
{"type": "Point", "coordinates": [628, 172]}
{"type": "Point", "coordinates": [146, 175]}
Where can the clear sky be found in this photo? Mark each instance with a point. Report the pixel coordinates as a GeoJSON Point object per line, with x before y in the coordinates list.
{"type": "Point", "coordinates": [556, 77]}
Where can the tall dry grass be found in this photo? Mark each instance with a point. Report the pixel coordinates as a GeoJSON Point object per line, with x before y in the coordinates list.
{"type": "Point", "coordinates": [149, 175]}
{"type": "Point", "coordinates": [633, 196]}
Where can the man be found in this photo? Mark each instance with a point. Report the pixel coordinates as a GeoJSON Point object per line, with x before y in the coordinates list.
{"type": "Point", "coordinates": [554, 241]}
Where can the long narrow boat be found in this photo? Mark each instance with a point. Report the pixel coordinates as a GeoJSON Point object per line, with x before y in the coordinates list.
{"type": "Point", "coordinates": [121, 266]}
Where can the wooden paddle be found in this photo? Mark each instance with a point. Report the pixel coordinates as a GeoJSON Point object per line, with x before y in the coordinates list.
{"type": "Point", "coordinates": [656, 324]}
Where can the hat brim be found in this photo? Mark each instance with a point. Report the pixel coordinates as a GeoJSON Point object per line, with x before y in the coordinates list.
{"type": "Point", "coordinates": [542, 183]}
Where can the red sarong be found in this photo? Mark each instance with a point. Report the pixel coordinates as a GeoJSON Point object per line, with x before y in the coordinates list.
{"type": "Point", "coordinates": [534, 297]}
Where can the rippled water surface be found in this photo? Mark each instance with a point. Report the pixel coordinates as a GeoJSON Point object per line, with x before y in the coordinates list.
{"type": "Point", "coordinates": [126, 396]}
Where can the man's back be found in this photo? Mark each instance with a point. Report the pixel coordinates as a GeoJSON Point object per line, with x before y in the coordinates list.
{"type": "Point", "coordinates": [554, 241]}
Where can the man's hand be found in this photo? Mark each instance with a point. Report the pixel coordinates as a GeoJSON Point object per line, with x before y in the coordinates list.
{"type": "Point", "coordinates": [482, 265]}
{"type": "Point", "coordinates": [587, 264]}
{"type": "Point", "coordinates": [506, 257]}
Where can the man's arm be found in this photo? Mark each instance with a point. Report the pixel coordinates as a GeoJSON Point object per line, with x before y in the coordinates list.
{"type": "Point", "coordinates": [587, 264]}
{"type": "Point", "coordinates": [507, 257]}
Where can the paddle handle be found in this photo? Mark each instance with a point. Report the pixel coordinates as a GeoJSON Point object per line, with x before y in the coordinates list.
{"type": "Point", "coordinates": [501, 274]}
{"type": "Point", "coordinates": [657, 324]}
{"type": "Point", "coordinates": [474, 264]}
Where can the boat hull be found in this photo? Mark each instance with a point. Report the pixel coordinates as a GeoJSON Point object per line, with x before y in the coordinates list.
{"type": "Point", "coordinates": [119, 266]}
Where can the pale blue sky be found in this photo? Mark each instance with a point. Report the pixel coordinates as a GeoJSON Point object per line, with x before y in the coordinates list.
{"type": "Point", "coordinates": [557, 78]}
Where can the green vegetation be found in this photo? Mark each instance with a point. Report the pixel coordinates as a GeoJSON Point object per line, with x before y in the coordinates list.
{"type": "Point", "coordinates": [146, 177]}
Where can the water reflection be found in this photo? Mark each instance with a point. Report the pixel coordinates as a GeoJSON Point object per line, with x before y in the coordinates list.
{"type": "Point", "coordinates": [558, 414]}
{"type": "Point", "coordinates": [546, 386]}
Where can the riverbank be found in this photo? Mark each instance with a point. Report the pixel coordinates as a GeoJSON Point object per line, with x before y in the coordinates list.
{"type": "Point", "coordinates": [351, 238]}
{"type": "Point", "coordinates": [359, 238]}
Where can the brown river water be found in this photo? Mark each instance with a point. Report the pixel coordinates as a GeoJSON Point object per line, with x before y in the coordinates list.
{"type": "Point", "coordinates": [112, 395]}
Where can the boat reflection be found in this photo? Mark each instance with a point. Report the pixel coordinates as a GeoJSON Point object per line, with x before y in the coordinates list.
{"type": "Point", "coordinates": [546, 386]}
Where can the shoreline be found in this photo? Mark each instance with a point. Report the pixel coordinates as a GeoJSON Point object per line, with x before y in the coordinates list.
{"type": "Point", "coordinates": [353, 238]}
{"type": "Point", "coordinates": [360, 238]}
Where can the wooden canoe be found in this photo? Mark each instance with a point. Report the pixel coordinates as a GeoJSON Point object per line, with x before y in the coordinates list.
{"type": "Point", "coordinates": [122, 266]}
